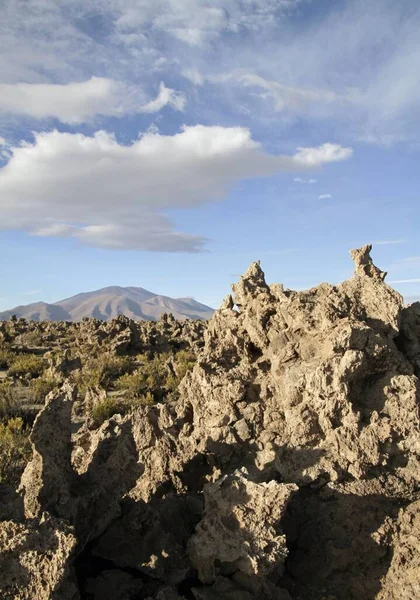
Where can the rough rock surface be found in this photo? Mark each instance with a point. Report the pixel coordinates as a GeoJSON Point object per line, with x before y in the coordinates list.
{"type": "Point", "coordinates": [35, 560]}
{"type": "Point", "coordinates": [237, 535]}
{"type": "Point", "coordinates": [288, 468]}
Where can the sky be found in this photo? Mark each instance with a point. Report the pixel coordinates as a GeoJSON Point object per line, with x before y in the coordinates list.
{"type": "Point", "coordinates": [169, 144]}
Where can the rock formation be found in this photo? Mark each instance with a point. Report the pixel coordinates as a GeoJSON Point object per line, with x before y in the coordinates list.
{"type": "Point", "coordinates": [287, 469]}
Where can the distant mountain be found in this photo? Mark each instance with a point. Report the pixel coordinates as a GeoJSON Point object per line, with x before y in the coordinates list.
{"type": "Point", "coordinates": [134, 302]}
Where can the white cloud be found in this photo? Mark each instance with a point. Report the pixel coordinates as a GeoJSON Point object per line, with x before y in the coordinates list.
{"type": "Point", "coordinates": [194, 76]}
{"type": "Point", "coordinates": [336, 66]}
{"type": "Point", "coordinates": [110, 195]}
{"type": "Point", "coordinates": [324, 153]}
{"type": "Point", "coordinates": [196, 23]}
{"type": "Point", "coordinates": [31, 292]}
{"type": "Point", "coordinates": [3, 141]}
{"type": "Point", "coordinates": [284, 97]}
{"type": "Point", "coordinates": [309, 181]}
{"type": "Point", "coordinates": [77, 102]}
{"type": "Point", "coordinates": [166, 97]}
{"type": "Point", "coordinates": [325, 197]}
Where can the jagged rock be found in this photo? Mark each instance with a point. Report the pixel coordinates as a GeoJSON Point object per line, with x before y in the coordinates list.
{"type": "Point", "coordinates": [314, 393]}
{"type": "Point", "coordinates": [408, 340]}
{"type": "Point", "coordinates": [35, 560]}
{"type": "Point", "coordinates": [239, 534]}
{"type": "Point", "coordinates": [305, 383]}
{"type": "Point", "coordinates": [402, 581]}
{"type": "Point", "coordinates": [60, 364]}
{"type": "Point", "coordinates": [48, 479]}
{"type": "Point", "coordinates": [151, 538]}
{"type": "Point", "coordinates": [89, 498]}
{"type": "Point", "coordinates": [364, 265]}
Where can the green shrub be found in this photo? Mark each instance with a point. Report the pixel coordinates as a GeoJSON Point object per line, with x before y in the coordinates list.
{"type": "Point", "coordinates": [184, 362]}
{"type": "Point", "coordinates": [102, 371]}
{"type": "Point", "coordinates": [39, 388]}
{"type": "Point", "coordinates": [26, 364]}
{"type": "Point", "coordinates": [105, 409]}
{"type": "Point", "coordinates": [153, 377]}
{"type": "Point", "coordinates": [9, 402]}
{"type": "Point", "coordinates": [6, 357]}
{"type": "Point", "coordinates": [15, 450]}
{"type": "Point", "coordinates": [29, 339]}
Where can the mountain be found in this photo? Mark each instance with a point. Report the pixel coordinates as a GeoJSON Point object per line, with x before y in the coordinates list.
{"type": "Point", "coordinates": [134, 302]}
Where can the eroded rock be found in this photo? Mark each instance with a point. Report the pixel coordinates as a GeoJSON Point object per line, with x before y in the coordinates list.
{"type": "Point", "coordinates": [298, 430]}
{"type": "Point", "coordinates": [239, 535]}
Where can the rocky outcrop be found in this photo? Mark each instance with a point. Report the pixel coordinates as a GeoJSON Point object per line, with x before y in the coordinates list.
{"type": "Point", "coordinates": [288, 468]}
{"type": "Point", "coordinates": [35, 560]}
{"type": "Point", "coordinates": [238, 535]}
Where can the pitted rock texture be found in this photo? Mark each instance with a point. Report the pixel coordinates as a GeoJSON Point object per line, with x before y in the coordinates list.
{"type": "Point", "coordinates": [35, 560]}
{"type": "Point", "coordinates": [237, 535]}
{"type": "Point", "coordinates": [287, 469]}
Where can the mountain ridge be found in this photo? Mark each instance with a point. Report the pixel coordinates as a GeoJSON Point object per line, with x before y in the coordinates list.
{"type": "Point", "coordinates": [106, 303]}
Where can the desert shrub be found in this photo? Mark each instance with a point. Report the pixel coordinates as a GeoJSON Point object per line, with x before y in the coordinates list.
{"type": "Point", "coordinates": [9, 402]}
{"type": "Point", "coordinates": [39, 388]}
{"type": "Point", "coordinates": [102, 371]}
{"type": "Point", "coordinates": [153, 376]}
{"type": "Point", "coordinates": [105, 409]}
{"type": "Point", "coordinates": [184, 362]}
{"type": "Point", "coordinates": [145, 356]}
{"type": "Point", "coordinates": [15, 450]}
{"type": "Point", "coordinates": [6, 357]}
{"type": "Point", "coordinates": [26, 365]}
{"type": "Point", "coordinates": [29, 339]}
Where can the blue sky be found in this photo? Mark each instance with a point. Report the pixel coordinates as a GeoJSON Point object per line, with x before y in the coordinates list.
{"type": "Point", "coordinates": [169, 144]}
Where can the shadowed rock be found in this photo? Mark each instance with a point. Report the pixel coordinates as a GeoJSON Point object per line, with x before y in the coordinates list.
{"type": "Point", "coordinates": [315, 394]}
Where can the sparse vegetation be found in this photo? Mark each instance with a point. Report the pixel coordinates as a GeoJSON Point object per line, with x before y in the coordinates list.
{"type": "Point", "coordinates": [29, 339]}
{"type": "Point", "coordinates": [26, 365]}
{"type": "Point", "coordinates": [15, 450]}
{"type": "Point", "coordinates": [108, 407]}
{"type": "Point", "coordinates": [153, 376]}
{"type": "Point", "coordinates": [89, 354]}
{"type": "Point", "coordinates": [39, 388]}
{"type": "Point", "coordinates": [10, 402]}
{"type": "Point", "coordinates": [105, 409]}
{"type": "Point", "coordinates": [185, 360]}
{"type": "Point", "coordinates": [6, 357]}
{"type": "Point", "coordinates": [103, 371]}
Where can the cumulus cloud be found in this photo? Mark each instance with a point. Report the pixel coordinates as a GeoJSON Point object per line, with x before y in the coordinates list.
{"type": "Point", "coordinates": [74, 103]}
{"type": "Point", "coordinates": [112, 195]}
{"type": "Point", "coordinates": [3, 141]}
{"type": "Point", "coordinates": [324, 197]}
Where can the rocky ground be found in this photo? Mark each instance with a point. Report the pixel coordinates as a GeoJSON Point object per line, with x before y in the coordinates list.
{"type": "Point", "coordinates": [283, 464]}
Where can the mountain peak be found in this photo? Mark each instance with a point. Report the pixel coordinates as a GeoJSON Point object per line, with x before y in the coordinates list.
{"type": "Point", "coordinates": [108, 302]}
